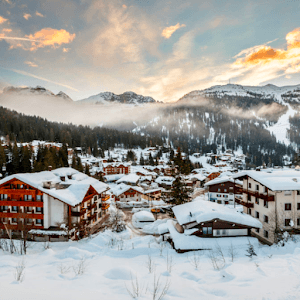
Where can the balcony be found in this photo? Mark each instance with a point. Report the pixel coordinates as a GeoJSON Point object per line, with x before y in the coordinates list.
{"type": "Point", "coordinates": [263, 196]}
{"type": "Point", "coordinates": [105, 206]}
{"type": "Point", "coordinates": [105, 198]}
{"type": "Point", "coordinates": [244, 203]}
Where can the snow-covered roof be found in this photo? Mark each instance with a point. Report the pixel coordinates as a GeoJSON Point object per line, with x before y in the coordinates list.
{"type": "Point", "coordinates": [131, 178]}
{"type": "Point", "coordinates": [168, 180]}
{"type": "Point", "coordinates": [70, 191]}
{"type": "Point", "coordinates": [198, 176]}
{"type": "Point", "coordinates": [203, 211]}
{"type": "Point", "coordinates": [121, 188]}
{"type": "Point", "coordinates": [275, 180]}
{"type": "Point", "coordinates": [113, 177]}
{"type": "Point", "coordinates": [47, 232]}
{"type": "Point", "coordinates": [152, 191]}
{"type": "Point", "coordinates": [222, 180]}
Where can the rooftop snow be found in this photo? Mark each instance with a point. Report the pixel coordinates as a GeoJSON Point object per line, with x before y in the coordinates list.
{"type": "Point", "coordinates": [203, 211]}
{"type": "Point", "coordinates": [76, 188]}
{"type": "Point", "coordinates": [275, 180]}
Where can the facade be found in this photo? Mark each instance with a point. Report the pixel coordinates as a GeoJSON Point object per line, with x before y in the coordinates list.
{"type": "Point", "coordinates": [223, 190]}
{"type": "Point", "coordinates": [126, 193]}
{"type": "Point", "coordinates": [116, 168]}
{"type": "Point", "coordinates": [46, 200]}
{"type": "Point", "coordinates": [273, 198]}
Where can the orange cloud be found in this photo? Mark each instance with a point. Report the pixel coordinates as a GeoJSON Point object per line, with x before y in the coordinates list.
{"type": "Point", "coordinates": [7, 30]}
{"type": "Point", "coordinates": [168, 31]}
{"type": "Point", "coordinates": [2, 20]}
{"type": "Point", "coordinates": [31, 64]}
{"type": "Point", "coordinates": [50, 37]}
{"type": "Point", "coordinates": [262, 55]}
{"type": "Point", "coordinates": [39, 14]}
{"type": "Point", "coordinates": [27, 16]}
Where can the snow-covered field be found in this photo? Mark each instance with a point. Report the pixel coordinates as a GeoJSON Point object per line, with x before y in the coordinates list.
{"type": "Point", "coordinates": [111, 260]}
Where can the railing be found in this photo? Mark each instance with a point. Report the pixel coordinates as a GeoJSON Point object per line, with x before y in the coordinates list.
{"type": "Point", "coordinates": [263, 196]}
{"type": "Point", "coordinates": [244, 203]}
{"type": "Point", "coordinates": [105, 198]}
{"type": "Point", "coordinates": [105, 206]}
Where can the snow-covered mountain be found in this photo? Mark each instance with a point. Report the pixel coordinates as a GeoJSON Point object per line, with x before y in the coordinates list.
{"type": "Point", "coordinates": [125, 98]}
{"type": "Point", "coordinates": [266, 92]}
{"type": "Point", "coordinates": [37, 91]}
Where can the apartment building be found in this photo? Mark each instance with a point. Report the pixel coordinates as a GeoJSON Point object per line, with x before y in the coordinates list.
{"type": "Point", "coordinates": [272, 197]}
{"type": "Point", "coordinates": [223, 190]}
{"type": "Point", "coordinates": [45, 200]}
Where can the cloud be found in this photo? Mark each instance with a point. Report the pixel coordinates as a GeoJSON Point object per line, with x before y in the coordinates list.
{"type": "Point", "coordinates": [41, 78]}
{"type": "Point", "coordinates": [50, 37]}
{"type": "Point", "coordinates": [2, 20]}
{"type": "Point", "coordinates": [39, 14]}
{"type": "Point", "coordinates": [288, 60]}
{"type": "Point", "coordinates": [65, 50]}
{"type": "Point", "coordinates": [31, 64]}
{"type": "Point", "coordinates": [168, 31]}
{"type": "Point", "coordinates": [27, 16]}
{"type": "Point", "coordinates": [7, 30]}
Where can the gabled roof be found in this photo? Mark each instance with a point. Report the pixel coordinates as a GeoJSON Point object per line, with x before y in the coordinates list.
{"type": "Point", "coordinates": [275, 180]}
{"type": "Point", "coordinates": [122, 188]}
{"type": "Point", "coordinates": [75, 188]}
{"type": "Point", "coordinates": [204, 211]}
{"type": "Point", "coordinates": [132, 178]}
{"type": "Point", "coordinates": [223, 179]}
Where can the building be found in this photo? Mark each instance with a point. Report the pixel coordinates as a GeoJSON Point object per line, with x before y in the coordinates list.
{"type": "Point", "coordinates": [116, 168]}
{"type": "Point", "coordinates": [273, 197]}
{"type": "Point", "coordinates": [199, 220]}
{"type": "Point", "coordinates": [126, 193]}
{"type": "Point", "coordinates": [212, 176]}
{"type": "Point", "coordinates": [224, 190]}
{"type": "Point", "coordinates": [47, 200]}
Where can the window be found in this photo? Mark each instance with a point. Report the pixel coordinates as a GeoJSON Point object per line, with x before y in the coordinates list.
{"type": "Point", "coordinates": [257, 230]}
{"type": "Point", "coordinates": [287, 193]}
{"type": "Point", "coordinates": [287, 222]}
{"type": "Point", "coordinates": [29, 197]}
{"type": "Point", "coordinates": [298, 193]}
{"type": "Point", "coordinates": [14, 220]}
{"type": "Point", "coordinates": [38, 221]}
{"type": "Point", "coordinates": [225, 190]}
{"type": "Point", "coordinates": [38, 198]}
{"type": "Point", "coordinates": [219, 190]}
{"type": "Point", "coordinates": [256, 200]}
{"type": "Point", "coordinates": [249, 185]}
{"type": "Point", "coordinates": [298, 222]}
{"type": "Point", "coordinates": [207, 230]}
{"type": "Point", "coordinates": [224, 231]}
{"type": "Point", "coordinates": [38, 209]}
{"type": "Point", "coordinates": [266, 234]}
{"type": "Point", "coordinates": [5, 196]}
{"type": "Point", "coordinates": [266, 219]}
{"type": "Point", "coordinates": [225, 196]}
{"type": "Point", "coordinates": [249, 197]}
{"type": "Point", "coordinates": [257, 187]}
{"type": "Point", "coordinates": [15, 208]}
{"type": "Point", "coordinates": [266, 204]}
{"type": "Point", "coordinates": [265, 189]}
{"type": "Point", "coordinates": [298, 206]}
{"type": "Point", "coordinates": [257, 214]}
{"type": "Point", "coordinates": [218, 232]}
{"type": "Point", "coordinates": [250, 212]}
{"type": "Point", "coordinates": [288, 206]}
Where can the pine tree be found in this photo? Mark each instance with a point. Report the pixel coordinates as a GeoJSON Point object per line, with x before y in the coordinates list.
{"type": "Point", "coordinates": [15, 159]}
{"type": "Point", "coordinates": [179, 193]}
{"type": "Point", "coordinates": [25, 163]}
{"type": "Point", "coordinates": [151, 161]}
{"type": "Point", "coordinates": [79, 166]}
{"type": "Point", "coordinates": [250, 251]}
{"type": "Point", "coordinates": [74, 165]}
{"type": "Point", "coordinates": [2, 158]}
{"type": "Point", "coordinates": [142, 161]}
{"type": "Point", "coordinates": [87, 169]}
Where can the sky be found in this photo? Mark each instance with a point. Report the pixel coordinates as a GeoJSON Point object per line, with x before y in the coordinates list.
{"type": "Point", "coordinates": [163, 49]}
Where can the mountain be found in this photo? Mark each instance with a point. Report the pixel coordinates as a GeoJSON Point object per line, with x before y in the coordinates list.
{"type": "Point", "coordinates": [126, 98]}
{"type": "Point", "coordinates": [37, 91]}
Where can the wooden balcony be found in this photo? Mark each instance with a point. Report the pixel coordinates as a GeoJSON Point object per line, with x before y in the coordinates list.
{"type": "Point", "coordinates": [244, 203]}
{"type": "Point", "coordinates": [105, 206]}
{"type": "Point", "coordinates": [21, 215]}
{"type": "Point", "coordinates": [263, 196]}
{"type": "Point", "coordinates": [105, 198]}
{"type": "Point", "coordinates": [21, 203]}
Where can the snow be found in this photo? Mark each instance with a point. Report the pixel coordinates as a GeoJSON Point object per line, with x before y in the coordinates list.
{"type": "Point", "coordinates": [191, 242]}
{"type": "Point", "coordinates": [203, 211]}
{"type": "Point", "coordinates": [112, 259]}
{"type": "Point", "coordinates": [275, 180]}
{"type": "Point", "coordinates": [155, 227]}
{"type": "Point", "coordinates": [142, 218]}
{"type": "Point", "coordinates": [131, 178]}
{"type": "Point", "coordinates": [121, 188]}
{"type": "Point", "coordinates": [74, 189]}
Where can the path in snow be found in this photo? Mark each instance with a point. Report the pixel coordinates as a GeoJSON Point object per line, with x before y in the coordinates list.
{"type": "Point", "coordinates": [280, 129]}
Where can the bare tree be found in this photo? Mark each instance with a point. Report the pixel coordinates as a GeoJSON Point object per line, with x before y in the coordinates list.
{"type": "Point", "coordinates": [195, 259]}
{"type": "Point", "coordinates": [232, 252]}
{"type": "Point", "coordinates": [136, 288]}
{"type": "Point", "coordinates": [63, 268]}
{"type": "Point", "coordinates": [80, 267]}
{"type": "Point", "coordinates": [20, 270]}
{"type": "Point", "coordinates": [159, 290]}
{"type": "Point", "coordinates": [170, 262]}
{"type": "Point", "coordinates": [150, 263]}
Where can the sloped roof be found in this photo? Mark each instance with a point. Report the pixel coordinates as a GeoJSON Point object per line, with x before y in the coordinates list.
{"type": "Point", "coordinates": [75, 188]}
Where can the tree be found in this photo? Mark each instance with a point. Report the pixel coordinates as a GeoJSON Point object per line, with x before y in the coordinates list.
{"type": "Point", "coordinates": [151, 161]}
{"type": "Point", "coordinates": [142, 161]}
{"type": "Point", "coordinates": [25, 163]}
{"type": "Point", "coordinates": [87, 169]}
{"type": "Point", "coordinates": [73, 162]}
{"type": "Point", "coordinates": [251, 251]}
{"type": "Point", "coordinates": [179, 193]}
